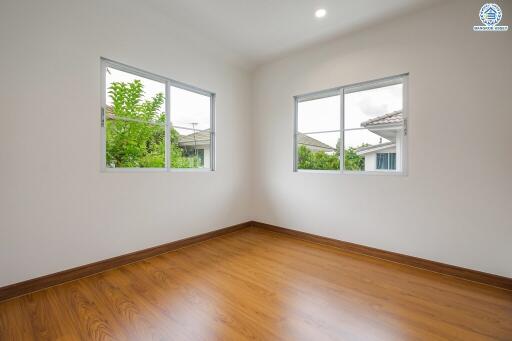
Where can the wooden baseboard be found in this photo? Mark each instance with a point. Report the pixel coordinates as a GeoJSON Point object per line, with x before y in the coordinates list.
{"type": "Point", "coordinates": [22, 288]}
{"type": "Point", "coordinates": [31, 285]}
{"type": "Point", "coordinates": [445, 269]}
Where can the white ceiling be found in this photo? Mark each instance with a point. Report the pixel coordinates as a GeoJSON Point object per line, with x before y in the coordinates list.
{"type": "Point", "coordinates": [259, 30]}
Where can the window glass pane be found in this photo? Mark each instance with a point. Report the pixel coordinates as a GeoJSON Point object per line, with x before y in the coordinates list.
{"type": "Point", "coordinates": [190, 149]}
{"type": "Point", "coordinates": [318, 151]}
{"type": "Point", "coordinates": [369, 107]}
{"type": "Point", "coordinates": [373, 124]}
{"type": "Point", "coordinates": [132, 96]}
{"type": "Point", "coordinates": [134, 144]}
{"type": "Point", "coordinates": [319, 115]}
{"type": "Point", "coordinates": [382, 161]}
{"type": "Point", "coordinates": [392, 160]}
{"type": "Point", "coordinates": [363, 147]}
{"type": "Point", "coordinates": [190, 132]}
{"type": "Point", "coordinates": [189, 109]}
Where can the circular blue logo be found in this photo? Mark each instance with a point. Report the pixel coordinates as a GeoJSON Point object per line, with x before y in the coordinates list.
{"type": "Point", "coordinates": [490, 14]}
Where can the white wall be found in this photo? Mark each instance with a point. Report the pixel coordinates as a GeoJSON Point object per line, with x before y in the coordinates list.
{"type": "Point", "coordinates": [455, 204]}
{"type": "Point", "coordinates": [370, 161]}
{"type": "Point", "coordinates": [57, 210]}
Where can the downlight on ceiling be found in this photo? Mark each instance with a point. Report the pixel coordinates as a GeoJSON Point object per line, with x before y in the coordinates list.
{"type": "Point", "coordinates": [320, 13]}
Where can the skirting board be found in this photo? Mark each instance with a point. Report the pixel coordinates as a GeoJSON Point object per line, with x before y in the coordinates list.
{"type": "Point", "coordinates": [445, 269]}
{"type": "Point", "coordinates": [39, 283]}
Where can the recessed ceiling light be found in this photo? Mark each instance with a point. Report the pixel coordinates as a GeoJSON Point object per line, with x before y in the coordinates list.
{"type": "Point", "coordinates": [320, 13]}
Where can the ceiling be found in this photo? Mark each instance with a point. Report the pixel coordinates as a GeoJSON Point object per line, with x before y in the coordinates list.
{"type": "Point", "coordinates": [259, 30]}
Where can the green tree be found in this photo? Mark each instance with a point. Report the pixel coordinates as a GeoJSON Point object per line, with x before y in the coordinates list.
{"type": "Point", "coordinates": [178, 159]}
{"type": "Point", "coordinates": [308, 159]}
{"type": "Point", "coordinates": [135, 144]}
{"type": "Point", "coordinates": [353, 161]}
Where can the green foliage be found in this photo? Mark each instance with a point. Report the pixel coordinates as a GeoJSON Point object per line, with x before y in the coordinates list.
{"type": "Point", "coordinates": [140, 145]}
{"type": "Point", "coordinates": [353, 162]}
{"type": "Point", "coordinates": [178, 160]}
{"type": "Point", "coordinates": [308, 159]}
{"type": "Point", "coordinates": [317, 160]}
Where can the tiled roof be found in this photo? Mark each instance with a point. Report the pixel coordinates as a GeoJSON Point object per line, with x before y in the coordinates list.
{"type": "Point", "coordinates": [391, 118]}
{"type": "Point", "coordinates": [303, 139]}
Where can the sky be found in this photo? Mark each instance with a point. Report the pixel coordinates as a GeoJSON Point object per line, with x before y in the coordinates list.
{"type": "Point", "coordinates": [187, 107]}
{"type": "Point", "coordinates": [324, 114]}
{"type": "Point", "coordinates": [313, 116]}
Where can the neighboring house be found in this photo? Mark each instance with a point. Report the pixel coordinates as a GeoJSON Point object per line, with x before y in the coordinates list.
{"type": "Point", "coordinates": [313, 144]}
{"type": "Point", "coordinates": [197, 143]}
{"type": "Point", "coordinates": [384, 156]}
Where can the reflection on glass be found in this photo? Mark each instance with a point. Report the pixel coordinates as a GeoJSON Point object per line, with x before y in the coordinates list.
{"type": "Point", "coordinates": [318, 151]}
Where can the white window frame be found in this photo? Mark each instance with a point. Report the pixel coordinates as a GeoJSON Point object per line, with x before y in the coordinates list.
{"type": "Point", "coordinates": [168, 82]}
{"type": "Point", "coordinates": [342, 91]}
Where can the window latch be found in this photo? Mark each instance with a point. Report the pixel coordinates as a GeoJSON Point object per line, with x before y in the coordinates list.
{"type": "Point", "coordinates": [405, 126]}
{"type": "Point", "coordinates": [102, 117]}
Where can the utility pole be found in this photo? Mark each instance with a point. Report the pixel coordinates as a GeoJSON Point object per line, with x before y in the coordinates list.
{"type": "Point", "coordinates": [195, 142]}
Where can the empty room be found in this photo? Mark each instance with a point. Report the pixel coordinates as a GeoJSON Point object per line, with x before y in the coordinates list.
{"type": "Point", "coordinates": [256, 170]}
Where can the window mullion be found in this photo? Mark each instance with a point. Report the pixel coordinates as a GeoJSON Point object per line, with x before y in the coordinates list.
{"type": "Point", "coordinates": [103, 128]}
{"type": "Point", "coordinates": [342, 130]}
{"type": "Point", "coordinates": [319, 132]}
{"type": "Point", "coordinates": [168, 125]}
{"type": "Point", "coordinates": [212, 133]}
{"type": "Point", "coordinates": [129, 119]}
{"type": "Point", "coordinates": [107, 116]}
{"type": "Point", "coordinates": [295, 131]}
{"type": "Point", "coordinates": [363, 140]}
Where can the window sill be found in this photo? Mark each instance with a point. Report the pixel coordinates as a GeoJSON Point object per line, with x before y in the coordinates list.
{"type": "Point", "coordinates": [157, 170]}
{"type": "Point", "coordinates": [343, 172]}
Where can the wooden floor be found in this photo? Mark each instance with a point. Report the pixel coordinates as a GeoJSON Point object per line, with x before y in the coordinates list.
{"type": "Point", "coordinates": [260, 285]}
